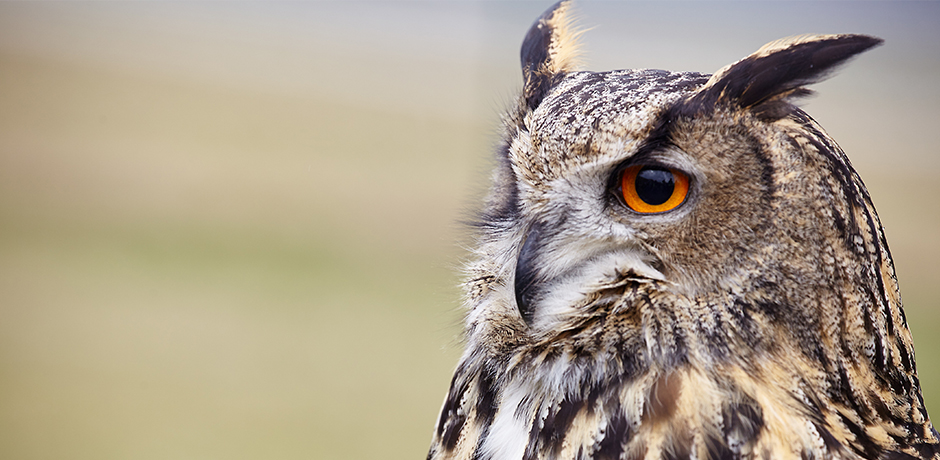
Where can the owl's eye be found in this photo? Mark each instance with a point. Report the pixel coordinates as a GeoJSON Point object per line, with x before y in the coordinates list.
{"type": "Point", "coordinates": [652, 189]}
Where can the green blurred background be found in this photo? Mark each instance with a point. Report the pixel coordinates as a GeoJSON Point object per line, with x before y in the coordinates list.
{"type": "Point", "coordinates": [232, 230]}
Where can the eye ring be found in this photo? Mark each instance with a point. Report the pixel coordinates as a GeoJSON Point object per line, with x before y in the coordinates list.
{"type": "Point", "coordinates": [649, 189]}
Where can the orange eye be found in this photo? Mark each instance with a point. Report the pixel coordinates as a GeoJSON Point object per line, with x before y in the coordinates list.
{"type": "Point", "coordinates": [652, 189]}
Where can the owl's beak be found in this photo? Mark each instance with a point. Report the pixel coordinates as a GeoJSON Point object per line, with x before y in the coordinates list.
{"type": "Point", "coordinates": [581, 266]}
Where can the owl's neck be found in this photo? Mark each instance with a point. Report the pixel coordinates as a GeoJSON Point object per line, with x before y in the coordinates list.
{"type": "Point", "coordinates": [624, 397]}
{"type": "Point", "coordinates": [654, 416]}
{"type": "Point", "coordinates": [563, 407]}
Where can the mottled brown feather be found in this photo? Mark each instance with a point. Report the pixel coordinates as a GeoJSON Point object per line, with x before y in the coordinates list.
{"type": "Point", "coordinates": [760, 318]}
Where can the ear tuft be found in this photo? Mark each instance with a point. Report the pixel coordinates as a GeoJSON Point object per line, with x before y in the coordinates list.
{"type": "Point", "coordinates": [765, 82]}
{"type": "Point", "coordinates": [550, 50]}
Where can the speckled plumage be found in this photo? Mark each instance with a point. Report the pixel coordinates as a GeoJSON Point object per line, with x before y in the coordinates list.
{"type": "Point", "coordinates": [761, 318]}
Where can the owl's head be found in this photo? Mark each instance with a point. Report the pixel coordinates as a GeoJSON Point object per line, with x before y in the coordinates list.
{"type": "Point", "coordinates": [708, 192]}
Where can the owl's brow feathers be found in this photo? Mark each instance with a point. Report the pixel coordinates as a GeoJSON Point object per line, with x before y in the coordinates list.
{"type": "Point", "coordinates": [760, 318]}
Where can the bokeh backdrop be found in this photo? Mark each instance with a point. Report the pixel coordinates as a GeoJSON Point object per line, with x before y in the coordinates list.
{"type": "Point", "coordinates": [232, 230]}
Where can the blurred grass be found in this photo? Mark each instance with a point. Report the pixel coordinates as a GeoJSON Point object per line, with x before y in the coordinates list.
{"type": "Point", "coordinates": [195, 273]}
{"type": "Point", "coordinates": [172, 342]}
{"type": "Point", "coordinates": [218, 242]}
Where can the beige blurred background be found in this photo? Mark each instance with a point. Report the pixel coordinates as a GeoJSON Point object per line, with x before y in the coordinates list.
{"type": "Point", "coordinates": [231, 230]}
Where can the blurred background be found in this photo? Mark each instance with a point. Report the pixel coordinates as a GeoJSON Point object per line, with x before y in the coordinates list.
{"type": "Point", "coordinates": [232, 230]}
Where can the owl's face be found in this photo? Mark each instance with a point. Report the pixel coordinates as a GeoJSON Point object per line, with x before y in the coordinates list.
{"type": "Point", "coordinates": [616, 175]}
{"type": "Point", "coordinates": [605, 190]}
{"type": "Point", "coordinates": [677, 265]}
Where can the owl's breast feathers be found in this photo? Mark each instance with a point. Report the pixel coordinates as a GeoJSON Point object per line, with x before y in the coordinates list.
{"type": "Point", "coordinates": [636, 382]}
{"type": "Point", "coordinates": [760, 318]}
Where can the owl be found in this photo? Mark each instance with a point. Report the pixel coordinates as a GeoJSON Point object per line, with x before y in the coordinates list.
{"type": "Point", "coordinates": [680, 266]}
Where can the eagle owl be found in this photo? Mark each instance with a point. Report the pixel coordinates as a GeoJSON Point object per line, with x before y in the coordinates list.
{"type": "Point", "coordinates": [680, 265]}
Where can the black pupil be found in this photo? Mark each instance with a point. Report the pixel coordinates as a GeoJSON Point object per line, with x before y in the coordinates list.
{"type": "Point", "coordinates": [654, 185]}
